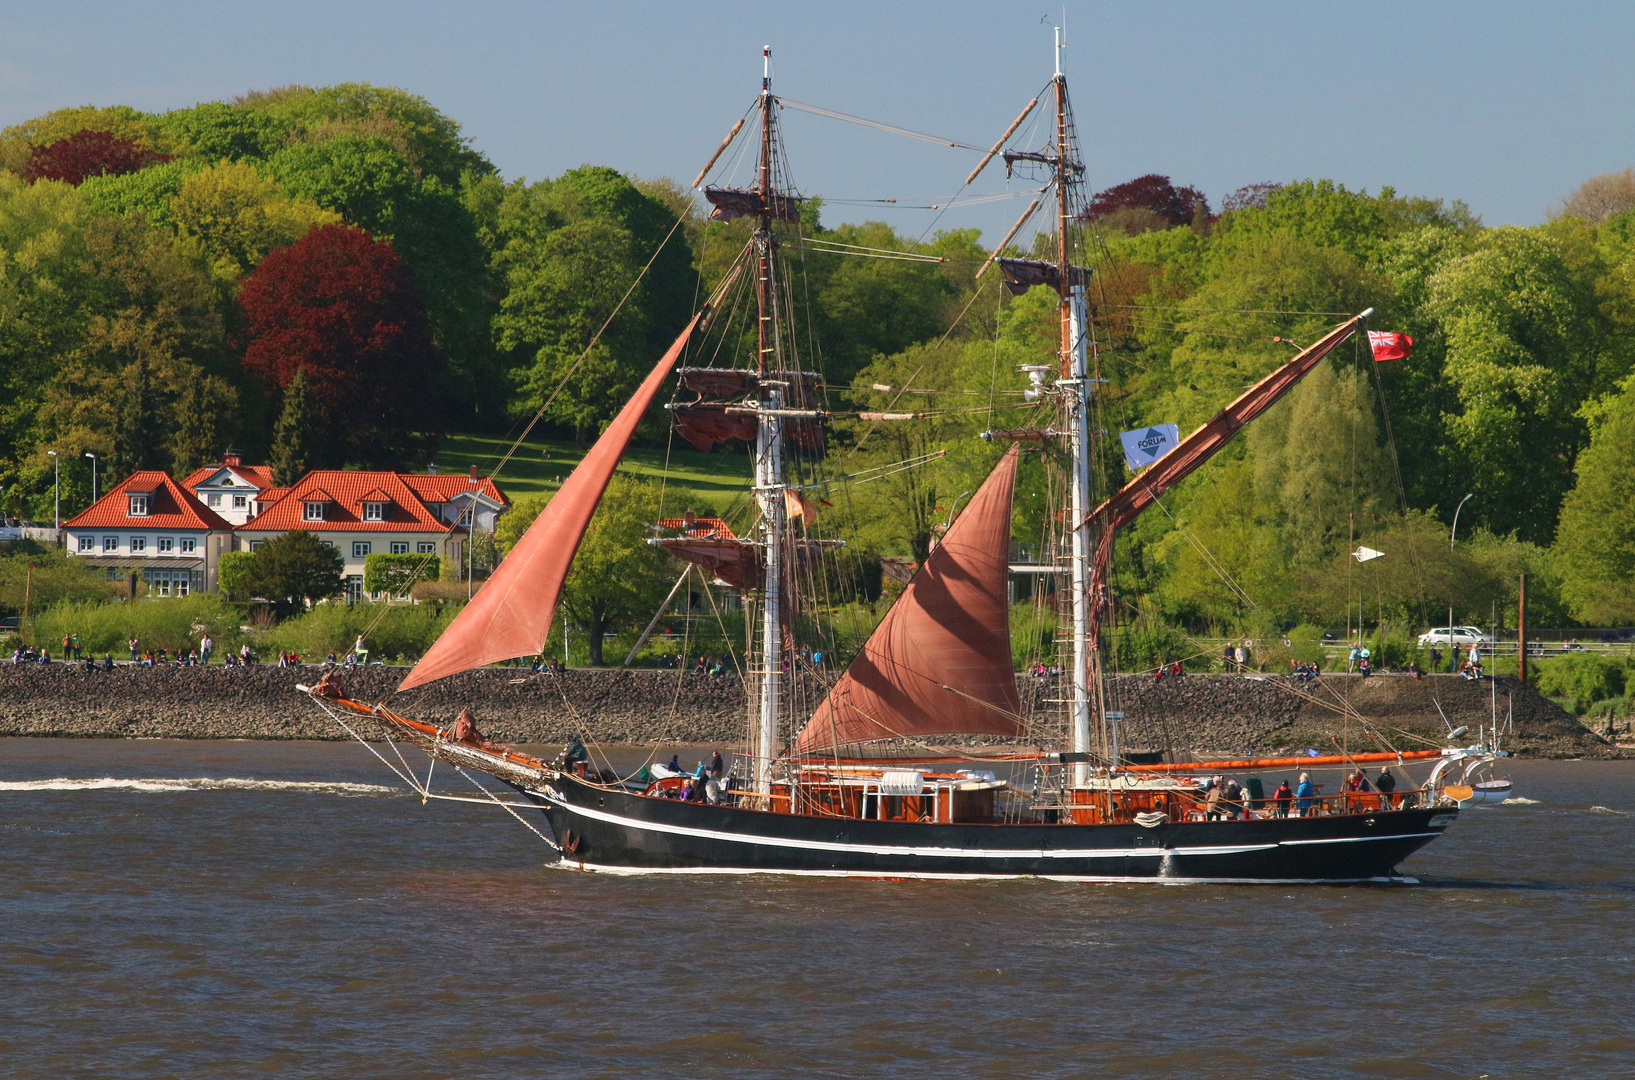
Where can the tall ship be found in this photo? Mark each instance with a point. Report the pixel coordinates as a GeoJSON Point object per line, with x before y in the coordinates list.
{"type": "Point", "coordinates": [918, 759]}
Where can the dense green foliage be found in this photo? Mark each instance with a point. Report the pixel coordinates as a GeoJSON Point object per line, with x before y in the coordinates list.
{"type": "Point", "coordinates": [396, 574]}
{"type": "Point", "coordinates": [133, 291]}
{"type": "Point", "coordinates": [293, 568]}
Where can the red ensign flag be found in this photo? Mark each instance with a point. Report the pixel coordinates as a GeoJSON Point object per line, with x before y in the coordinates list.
{"type": "Point", "coordinates": [1389, 346]}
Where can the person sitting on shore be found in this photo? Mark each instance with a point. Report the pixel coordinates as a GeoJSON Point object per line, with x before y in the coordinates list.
{"type": "Point", "coordinates": [45, 656]}
{"type": "Point", "coordinates": [1413, 669]}
{"type": "Point", "coordinates": [107, 661]}
{"type": "Point", "coordinates": [90, 664]}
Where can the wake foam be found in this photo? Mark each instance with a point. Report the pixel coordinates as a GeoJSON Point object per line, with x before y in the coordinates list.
{"type": "Point", "coordinates": [1607, 810]}
{"type": "Point", "coordinates": [1517, 800]}
{"type": "Point", "coordinates": [201, 783]}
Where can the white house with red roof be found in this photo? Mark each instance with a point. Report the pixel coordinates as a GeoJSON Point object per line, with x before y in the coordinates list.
{"type": "Point", "coordinates": [232, 488]}
{"type": "Point", "coordinates": [152, 526]}
{"type": "Point", "coordinates": [363, 513]}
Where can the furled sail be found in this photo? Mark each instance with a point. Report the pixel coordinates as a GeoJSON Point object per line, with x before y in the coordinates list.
{"type": "Point", "coordinates": [511, 615]}
{"type": "Point", "coordinates": [939, 663]}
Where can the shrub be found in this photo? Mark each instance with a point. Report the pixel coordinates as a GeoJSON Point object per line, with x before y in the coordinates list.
{"type": "Point", "coordinates": [404, 631]}
{"type": "Point", "coordinates": [233, 573]}
{"type": "Point", "coordinates": [1584, 677]}
{"type": "Point", "coordinates": [168, 623]}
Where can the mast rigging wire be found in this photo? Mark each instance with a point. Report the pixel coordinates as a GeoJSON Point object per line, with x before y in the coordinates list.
{"type": "Point", "coordinates": [877, 125]}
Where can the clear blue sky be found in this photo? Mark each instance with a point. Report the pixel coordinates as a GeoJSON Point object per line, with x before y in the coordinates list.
{"type": "Point", "coordinates": [1505, 105]}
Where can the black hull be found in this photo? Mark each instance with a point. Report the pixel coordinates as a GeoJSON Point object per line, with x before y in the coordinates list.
{"type": "Point", "coordinates": [615, 831]}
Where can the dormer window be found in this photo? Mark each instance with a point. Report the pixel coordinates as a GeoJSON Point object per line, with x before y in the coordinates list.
{"type": "Point", "coordinates": [465, 517]}
{"type": "Point", "coordinates": [374, 511]}
{"type": "Point", "coordinates": [315, 510]}
{"type": "Point", "coordinates": [139, 506]}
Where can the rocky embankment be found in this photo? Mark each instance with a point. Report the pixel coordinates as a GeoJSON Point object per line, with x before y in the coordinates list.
{"type": "Point", "coordinates": [1208, 713]}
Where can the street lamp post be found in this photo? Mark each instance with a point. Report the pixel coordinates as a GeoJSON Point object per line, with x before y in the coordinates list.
{"type": "Point", "coordinates": [56, 493]}
{"type": "Point", "coordinates": [1453, 655]}
{"type": "Point", "coordinates": [1455, 528]}
{"type": "Point", "coordinates": [93, 458]}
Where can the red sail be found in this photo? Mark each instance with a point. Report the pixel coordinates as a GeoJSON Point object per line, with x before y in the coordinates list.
{"type": "Point", "coordinates": [940, 661]}
{"type": "Point", "coordinates": [512, 614]}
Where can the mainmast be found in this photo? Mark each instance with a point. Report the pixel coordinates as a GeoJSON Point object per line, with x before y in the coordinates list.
{"type": "Point", "coordinates": [1077, 387]}
{"type": "Point", "coordinates": [768, 449]}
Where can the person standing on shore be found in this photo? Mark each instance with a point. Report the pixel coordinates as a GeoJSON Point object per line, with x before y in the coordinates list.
{"type": "Point", "coordinates": [360, 651]}
{"type": "Point", "coordinates": [206, 647]}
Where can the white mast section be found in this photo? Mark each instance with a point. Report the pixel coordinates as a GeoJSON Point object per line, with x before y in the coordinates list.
{"type": "Point", "coordinates": [1078, 390]}
{"type": "Point", "coordinates": [768, 460]}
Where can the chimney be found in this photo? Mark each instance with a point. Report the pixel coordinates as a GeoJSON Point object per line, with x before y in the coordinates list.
{"type": "Point", "coordinates": [690, 522]}
{"type": "Point", "coordinates": [431, 470]}
{"type": "Point", "coordinates": [231, 458]}
{"type": "Point", "coordinates": [474, 477]}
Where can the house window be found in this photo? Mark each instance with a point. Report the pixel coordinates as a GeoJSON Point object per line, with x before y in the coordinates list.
{"type": "Point", "coordinates": [374, 511]}
{"type": "Point", "coordinates": [166, 545]}
{"type": "Point", "coordinates": [360, 549]}
{"type": "Point", "coordinates": [87, 543]}
{"type": "Point", "coordinates": [313, 511]}
{"type": "Point", "coordinates": [212, 499]}
{"type": "Point", "coordinates": [138, 543]}
{"type": "Point", "coordinates": [425, 547]}
{"type": "Point", "coordinates": [255, 545]}
{"type": "Point", "coordinates": [110, 543]}
{"type": "Point", "coordinates": [400, 547]}
{"type": "Point", "coordinates": [327, 543]}
{"type": "Point", "coordinates": [354, 588]}
{"type": "Point", "coordinates": [189, 545]}
{"type": "Point", "coordinates": [167, 582]}
{"type": "Point", "coordinates": [465, 517]}
{"type": "Point", "coordinates": [139, 506]}
{"type": "Point", "coordinates": [240, 502]}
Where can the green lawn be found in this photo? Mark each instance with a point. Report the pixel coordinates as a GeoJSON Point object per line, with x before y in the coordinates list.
{"type": "Point", "coordinates": [704, 483]}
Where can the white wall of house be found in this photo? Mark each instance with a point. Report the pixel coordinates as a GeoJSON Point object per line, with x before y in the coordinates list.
{"type": "Point", "coordinates": [231, 497]}
{"type": "Point", "coordinates": [356, 547]}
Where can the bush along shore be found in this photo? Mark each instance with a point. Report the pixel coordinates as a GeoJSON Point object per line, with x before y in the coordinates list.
{"type": "Point", "coordinates": [1208, 714]}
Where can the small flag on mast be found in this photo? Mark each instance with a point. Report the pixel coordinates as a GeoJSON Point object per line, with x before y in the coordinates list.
{"type": "Point", "coordinates": [1364, 554]}
{"type": "Point", "coordinates": [1388, 345]}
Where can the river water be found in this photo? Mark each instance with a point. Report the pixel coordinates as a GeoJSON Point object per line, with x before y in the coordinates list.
{"type": "Point", "coordinates": [212, 909]}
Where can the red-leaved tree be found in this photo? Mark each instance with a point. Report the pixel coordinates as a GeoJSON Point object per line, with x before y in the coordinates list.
{"type": "Point", "coordinates": [342, 306]}
{"type": "Point", "coordinates": [1151, 192]}
{"type": "Point", "coordinates": [89, 153]}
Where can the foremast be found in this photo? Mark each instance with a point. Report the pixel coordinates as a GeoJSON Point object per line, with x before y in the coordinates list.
{"type": "Point", "coordinates": [769, 465]}
{"type": "Point", "coordinates": [1076, 379]}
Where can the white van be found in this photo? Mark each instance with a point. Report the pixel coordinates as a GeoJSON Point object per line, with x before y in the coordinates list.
{"type": "Point", "coordinates": [1455, 635]}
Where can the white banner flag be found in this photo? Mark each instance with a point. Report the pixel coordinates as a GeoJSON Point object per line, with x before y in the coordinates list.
{"type": "Point", "coordinates": [1364, 554]}
{"type": "Point", "coordinates": [1143, 446]}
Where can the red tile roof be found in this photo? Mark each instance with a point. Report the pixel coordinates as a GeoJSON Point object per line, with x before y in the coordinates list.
{"type": "Point", "coordinates": [169, 507]}
{"type": "Point", "coordinates": [345, 491]}
{"type": "Point", "coordinates": [267, 496]}
{"type": "Point", "coordinates": [447, 487]}
{"type": "Point", "coordinates": [258, 475]}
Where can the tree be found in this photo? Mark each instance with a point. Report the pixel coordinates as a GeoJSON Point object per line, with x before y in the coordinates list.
{"type": "Point", "coordinates": [1522, 354]}
{"type": "Point", "coordinates": [340, 306]}
{"type": "Point", "coordinates": [238, 216]}
{"type": "Point", "coordinates": [396, 574]}
{"type": "Point", "coordinates": [1602, 197]}
{"type": "Point", "coordinates": [204, 419]}
{"type": "Point", "coordinates": [616, 574]}
{"type": "Point", "coordinates": [1151, 193]}
{"type": "Point", "coordinates": [294, 568]}
{"type": "Point", "coordinates": [217, 131]}
{"type": "Point", "coordinates": [299, 442]}
{"type": "Point", "coordinates": [568, 250]}
{"type": "Point", "coordinates": [1595, 543]}
{"type": "Point", "coordinates": [138, 435]}
{"type": "Point", "coordinates": [89, 153]}
{"type": "Point", "coordinates": [233, 573]}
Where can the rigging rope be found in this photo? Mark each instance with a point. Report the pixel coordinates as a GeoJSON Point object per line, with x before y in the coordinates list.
{"type": "Point", "coordinates": [819, 110]}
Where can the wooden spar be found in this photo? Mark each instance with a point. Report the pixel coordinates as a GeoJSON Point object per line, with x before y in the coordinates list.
{"type": "Point", "coordinates": [708, 165]}
{"type": "Point", "coordinates": [1521, 629]}
{"type": "Point", "coordinates": [1023, 220]}
{"type": "Point", "coordinates": [989, 156]}
{"type": "Point", "coordinates": [1281, 762]}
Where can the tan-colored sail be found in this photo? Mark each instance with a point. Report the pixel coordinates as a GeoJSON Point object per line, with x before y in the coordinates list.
{"type": "Point", "coordinates": [939, 663]}
{"type": "Point", "coordinates": [511, 615]}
